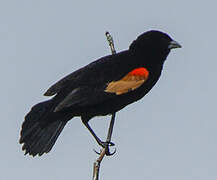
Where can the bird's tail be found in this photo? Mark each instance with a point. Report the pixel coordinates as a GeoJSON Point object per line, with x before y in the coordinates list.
{"type": "Point", "coordinates": [41, 129]}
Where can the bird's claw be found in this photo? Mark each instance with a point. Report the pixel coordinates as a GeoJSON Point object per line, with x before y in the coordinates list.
{"type": "Point", "coordinates": [106, 146]}
{"type": "Point", "coordinates": [107, 152]}
{"type": "Point", "coordinates": [96, 152]}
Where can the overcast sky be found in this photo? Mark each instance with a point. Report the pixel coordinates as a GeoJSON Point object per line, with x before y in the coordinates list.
{"type": "Point", "coordinates": [171, 134]}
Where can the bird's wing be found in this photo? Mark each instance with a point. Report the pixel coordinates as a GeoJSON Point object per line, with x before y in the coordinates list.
{"type": "Point", "coordinates": [57, 87]}
{"type": "Point", "coordinates": [93, 93]}
{"type": "Point", "coordinates": [90, 74]}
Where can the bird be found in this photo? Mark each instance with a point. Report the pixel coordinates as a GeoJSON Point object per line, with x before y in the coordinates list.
{"type": "Point", "coordinates": [103, 87]}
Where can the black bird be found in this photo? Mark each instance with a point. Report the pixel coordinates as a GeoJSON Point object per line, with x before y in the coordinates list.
{"type": "Point", "coordinates": [101, 88]}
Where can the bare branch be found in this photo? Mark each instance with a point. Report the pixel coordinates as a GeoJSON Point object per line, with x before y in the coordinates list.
{"type": "Point", "coordinates": [111, 42]}
{"type": "Point", "coordinates": [96, 165]}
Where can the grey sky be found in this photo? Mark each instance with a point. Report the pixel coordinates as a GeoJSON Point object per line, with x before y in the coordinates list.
{"type": "Point", "coordinates": [169, 135]}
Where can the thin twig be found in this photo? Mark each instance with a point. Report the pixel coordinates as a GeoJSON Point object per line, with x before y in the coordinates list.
{"type": "Point", "coordinates": [96, 165]}
{"type": "Point", "coordinates": [111, 42]}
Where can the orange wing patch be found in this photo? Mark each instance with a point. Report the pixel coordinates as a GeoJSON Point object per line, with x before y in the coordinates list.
{"type": "Point", "coordinates": [130, 82]}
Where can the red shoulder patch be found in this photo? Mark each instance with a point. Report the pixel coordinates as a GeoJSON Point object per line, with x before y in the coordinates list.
{"type": "Point", "coordinates": [140, 72]}
{"type": "Point", "coordinates": [129, 82]}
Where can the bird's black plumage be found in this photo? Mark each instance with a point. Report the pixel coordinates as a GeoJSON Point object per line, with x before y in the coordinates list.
{"type": "Point", "coordinates": [103, 87]}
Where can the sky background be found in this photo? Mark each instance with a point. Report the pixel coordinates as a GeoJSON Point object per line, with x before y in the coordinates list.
{"type": "Point", "coordinates": [171, 134]}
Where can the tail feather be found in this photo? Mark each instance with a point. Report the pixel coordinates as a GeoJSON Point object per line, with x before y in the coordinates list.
{"type": "Point", "coordinates": [53, 138]}
{"type": "Point", "coordinates": [38, 137]}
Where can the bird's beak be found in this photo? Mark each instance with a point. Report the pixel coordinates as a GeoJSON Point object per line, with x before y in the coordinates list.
{"type": "Point", "coordinates": [173, 44]}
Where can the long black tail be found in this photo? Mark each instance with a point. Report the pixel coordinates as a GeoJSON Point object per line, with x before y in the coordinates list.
{"type": "Point", "coordinates": [41, 130]}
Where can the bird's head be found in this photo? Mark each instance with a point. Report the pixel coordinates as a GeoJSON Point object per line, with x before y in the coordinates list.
{"type": "Point", "coordinates": [154, 45]}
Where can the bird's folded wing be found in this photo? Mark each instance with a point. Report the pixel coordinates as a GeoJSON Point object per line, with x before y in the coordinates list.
{"type": "Point", "coordinates": [83, 96]}
{"type": "Point", "coordinates": [90, 73]}
{"type": "Point", "coordinates": [92, 94]}
{"type": "Point", "coordinates": [62, 83]}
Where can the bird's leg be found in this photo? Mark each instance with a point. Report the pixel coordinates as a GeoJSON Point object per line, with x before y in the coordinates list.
{"type": "Point", "coordinates": [108, 139]}
{"type": "Point", "coordinates": [109, 135]}
{"type": "Point", "coordinates": [101, 143]}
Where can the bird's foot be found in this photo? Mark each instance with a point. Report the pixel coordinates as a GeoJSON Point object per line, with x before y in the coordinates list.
{"type": "Point", "coordinates": [106, 145]}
